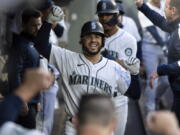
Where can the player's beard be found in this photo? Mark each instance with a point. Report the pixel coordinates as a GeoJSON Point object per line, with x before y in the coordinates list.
{"type": "Point", "coordinates": [87, 52]}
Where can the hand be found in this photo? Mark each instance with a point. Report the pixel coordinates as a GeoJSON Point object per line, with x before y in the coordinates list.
{"type": "Point", "coordinates": [132, 64]}
{"type": "Point", "coordinates": [163, 122]}
{"type": "Point", "coordinates": [152, 79]}
{"type": "Point", "coordinates": [56, 15]}
{"type": "Point", "coordinates": [35, 80]}
{"type": "Point", "coordinates": [138, 3]}
{"type": "Point", "coordinates": [38, 79]}
{"type": "Point", "coordinates": [132, 61]}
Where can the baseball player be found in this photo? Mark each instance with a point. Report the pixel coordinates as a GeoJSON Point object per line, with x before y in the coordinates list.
{"type": "Point", "coordinates": [152, 54]}
{"type": "Point", "coordinates": [128, 24]}
{"type": "Point", "coordinates": [122, 47]}
{"type": "Point", "coordinates": [88, 72]}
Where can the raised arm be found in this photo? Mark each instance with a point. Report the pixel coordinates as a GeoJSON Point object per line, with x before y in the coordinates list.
{"type": "Point", "coordinates": [42, 39]}
{"type": "Point", "coordinates": [35, 81]}
{"type": "Point", "coordinates": [155, 18]}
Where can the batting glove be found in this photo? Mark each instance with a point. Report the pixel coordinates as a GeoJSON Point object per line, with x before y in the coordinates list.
{"type": "Point", "coordinates": [56, 15]}
{"type": "Point", "coordinates": [132, 64]}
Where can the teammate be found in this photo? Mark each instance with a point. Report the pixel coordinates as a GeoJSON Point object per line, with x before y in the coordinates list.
{"type": "Point", "coordinates": [88, 72]}
{"type": "Point", "coordinates": [122, 47]}
{"type": "Point", "coordinates": [170, 25]}
{"type": "Point", "coordinates": [23, 55]}
{"type": "Point", "coordinates": [128, 24]}
{"type": "Point", "coordinates": [118, 43]}
{"type": "Point", "coordinates": [152, 44]}
{"type": "Point", "coordinates": [96, 115]}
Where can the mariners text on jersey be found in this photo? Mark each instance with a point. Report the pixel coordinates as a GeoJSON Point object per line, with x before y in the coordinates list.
{"type": "Point", "coordinates": [76, 79]}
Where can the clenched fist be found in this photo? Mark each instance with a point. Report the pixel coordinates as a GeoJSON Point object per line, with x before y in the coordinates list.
{"type": "Point", "coordinates": [56, 15]}
{"type": "Point", "coordinates": [139, 3]}
{"type": "Point", "coordinates": [35, 81]}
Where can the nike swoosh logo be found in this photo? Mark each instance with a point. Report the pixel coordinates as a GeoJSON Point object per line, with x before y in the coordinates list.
{"type": "Point", "coordinates": [79, 65]}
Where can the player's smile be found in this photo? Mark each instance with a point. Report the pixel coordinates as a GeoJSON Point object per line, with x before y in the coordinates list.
{"type": "Point", "coordinates": [93, 46]}
{"type": "Point", "coordinates": [92, 43]}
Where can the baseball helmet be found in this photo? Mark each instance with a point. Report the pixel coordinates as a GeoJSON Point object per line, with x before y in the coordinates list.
{"type": "Point", "coordinates": [120, 6]}
{"type": "Point", "coordinates": [107, 7]}
{"type": "Point", "coordinates": [92, 27]}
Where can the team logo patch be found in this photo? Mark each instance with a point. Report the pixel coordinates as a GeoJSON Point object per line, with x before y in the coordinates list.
{"type": "Point", "coordinates": [104, 6]}
{"type": "Point", "coordinates": [93, 25]}
{"type": "Point", "coordinates": [128, 51]}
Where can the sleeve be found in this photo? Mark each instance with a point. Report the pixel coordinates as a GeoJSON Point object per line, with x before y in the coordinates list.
{"type": "Point", "coordinates": [10, 109]}
{"type": "Point", "coordinates": [42, 40]}
{"type": "Point", "coordinates": [106, 55]}
{"type": "Point", "coordinates": [170, 69]}
{"type": "Point", "coordinates": [11, 128]}
{"type": "Point", "coordinates": [144, 21]}
{"type": "Point", "coordinates": [60, 58]}
{"type": "Point", "coordinates": [59, 30]}
{"type": "Point", "coordinates": [153, 31]}
{"type": "Point", "coordinates": [129, 49]}
{"type": "Point", "coordinates": [123, 79]}
{"type": "Point", "coordinates": [155, 18]}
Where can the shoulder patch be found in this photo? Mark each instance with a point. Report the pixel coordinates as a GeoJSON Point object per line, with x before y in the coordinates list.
{"type": "Point", "coordinates": [128, 51]}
